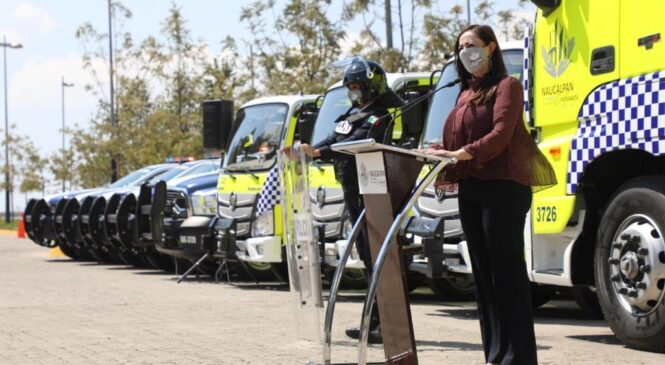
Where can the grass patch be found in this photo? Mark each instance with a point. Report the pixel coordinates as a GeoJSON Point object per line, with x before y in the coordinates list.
{"type": "Point", "coordinates": [13, 225]}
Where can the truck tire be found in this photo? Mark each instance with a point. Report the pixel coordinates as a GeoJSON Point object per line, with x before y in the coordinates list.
{"type": "Point", "coordinates": [455, 287]}
{"type": "Point", "coordinates": [260, 271]}
{"type": "Point", "coordinates": [630, 263]}
{"type": "Point", "coordinates": [68, 250]}
{"type": "Point", "coordinates": [352, 279]}
{"type": "Point", "coordinates": [587, 298]}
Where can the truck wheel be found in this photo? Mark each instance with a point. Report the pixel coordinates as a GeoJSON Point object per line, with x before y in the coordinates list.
{"type": "Point", "coordinates": [67, 250]}
{"type": "Point", "coordinates": [280, 271]}
{"type": "Point", "coordinates": [455, 287]}
{"type": "Point", "coordinates": [260, 271]}
{"type": "Point", "coordinates": [352, 279]}
{"type": "Point", "coordinates": [587, 298]}
{"type": "Point", "coordinates": [630, 263]}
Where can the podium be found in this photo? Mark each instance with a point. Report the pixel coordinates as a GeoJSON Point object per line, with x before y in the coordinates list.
{"type": "Point", "coordinates": [387, 176]}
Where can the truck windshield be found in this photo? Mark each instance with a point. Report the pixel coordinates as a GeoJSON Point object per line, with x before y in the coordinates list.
{"type": "Point", "coordinates": [334, 104]}
{"type": "Point", "coordinates": [444, 100]}
{"type": "Point", "coordinates": [255, 143]}
{"type": "Point", "coordinates": [133, 178]}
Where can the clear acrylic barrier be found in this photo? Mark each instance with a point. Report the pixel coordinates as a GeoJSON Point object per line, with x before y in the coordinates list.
{"type": "Point", "coordinates": [302, 247]}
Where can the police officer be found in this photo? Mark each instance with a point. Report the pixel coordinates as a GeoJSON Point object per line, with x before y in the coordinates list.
{"type": "Point", "coordinates": [368, 118]}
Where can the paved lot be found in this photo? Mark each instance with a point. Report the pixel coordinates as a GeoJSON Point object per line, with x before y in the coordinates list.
{"type": "Point", "coordinates": [56, 311]}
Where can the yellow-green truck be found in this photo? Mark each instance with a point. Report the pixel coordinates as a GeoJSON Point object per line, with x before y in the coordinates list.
{"type": "Point", "coordinates": [596, 99]}
{"type": "Point", "coordinates": [262, 127]}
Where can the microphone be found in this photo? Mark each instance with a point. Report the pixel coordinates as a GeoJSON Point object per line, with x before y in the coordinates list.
{"type": "Point", "coordinates": [412, 104]}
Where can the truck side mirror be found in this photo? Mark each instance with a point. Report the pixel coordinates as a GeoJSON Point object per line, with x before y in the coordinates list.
{"type": "Point", "coordinates": [306, 124]}
{"type": "Point", "coordinates": [217, 123]}
{"type": "Point", "coordinates": [547, 6]}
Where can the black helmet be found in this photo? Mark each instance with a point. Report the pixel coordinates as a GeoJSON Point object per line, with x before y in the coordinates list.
{"type": "Point", "coordinates": [369, 75]}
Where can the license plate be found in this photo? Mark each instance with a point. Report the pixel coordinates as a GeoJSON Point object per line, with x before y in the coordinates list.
{"type": "Point", "coordinates": [188, 240]}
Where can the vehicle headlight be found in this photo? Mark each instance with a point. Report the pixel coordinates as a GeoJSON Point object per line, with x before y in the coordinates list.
{"type": "Point", "coordinates": [263, 225]}
{"type": "Point", "coordinates": [204, 204]}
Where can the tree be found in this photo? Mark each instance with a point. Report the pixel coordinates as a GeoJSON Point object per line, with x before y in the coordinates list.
{"type": "Point", "coordinates": [298, 66]}
{"type": "Point", "coordinates": [25, 164]}
{"type": "Point", "coordinates": [60, 166]}
{"type": "Point", "coordinates": [160, 84]}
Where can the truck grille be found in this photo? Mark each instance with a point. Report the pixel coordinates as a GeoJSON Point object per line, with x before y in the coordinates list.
{"type": "Point", "coordinates": [328, 209]}
{"type": "Point", "coordinates": [429, 205]}
{"type": "Point", "coordinates": [242, 210]}
{"type": "Point", "coordinates": [177, 205]}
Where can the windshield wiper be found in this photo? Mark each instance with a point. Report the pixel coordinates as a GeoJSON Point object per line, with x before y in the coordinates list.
{"type": "Point", "coordinates": [243, 169]}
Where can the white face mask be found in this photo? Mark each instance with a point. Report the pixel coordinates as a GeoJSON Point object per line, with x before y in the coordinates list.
{"type": "Point", "coordinates": [473, 58]}
{"type": "Point", "coordinates": [355, 95]}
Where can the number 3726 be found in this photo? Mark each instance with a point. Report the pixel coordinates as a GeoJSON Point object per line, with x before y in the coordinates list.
{"type": "Point", "coordinates": [546, 214]}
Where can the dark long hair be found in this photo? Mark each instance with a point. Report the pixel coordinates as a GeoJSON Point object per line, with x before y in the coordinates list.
{"type": "Point", "coordinates": [497, 70]}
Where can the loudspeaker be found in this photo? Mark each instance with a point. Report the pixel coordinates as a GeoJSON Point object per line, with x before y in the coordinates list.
{"type": "Point", "coordinates": [414, 118]}
{"type": "Point", "coordinates": [217, 123]}
{"type": "Point", "coordinates": [306, 125]}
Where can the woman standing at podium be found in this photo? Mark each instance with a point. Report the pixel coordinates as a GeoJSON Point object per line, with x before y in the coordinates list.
{"type": "Point", "coordinates": [498, 165]}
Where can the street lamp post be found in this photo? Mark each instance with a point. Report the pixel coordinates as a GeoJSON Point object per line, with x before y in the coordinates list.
{"type": "Point", "coordinates": [114, 168]}
{"type": "Point", "coordinates": [63, 85]}
{"type": "Point", "coordinates": [4, 46]}
{"type": "Point", "coordinates": [468, 11]}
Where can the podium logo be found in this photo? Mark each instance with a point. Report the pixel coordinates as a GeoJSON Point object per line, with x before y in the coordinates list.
{"type": "Point", "coordinates": [364, 176]}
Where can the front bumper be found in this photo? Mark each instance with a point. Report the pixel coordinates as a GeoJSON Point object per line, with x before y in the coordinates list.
{"type": "Point", "coordinates": [260, 249]}
{"type": "Point", "coordinates": [333, 253]}
{"type": "Point", "coordinates": [199, 235]}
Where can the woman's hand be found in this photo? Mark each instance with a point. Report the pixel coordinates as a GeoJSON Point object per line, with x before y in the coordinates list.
{"type": "Point", "coordinates": [459, 155]}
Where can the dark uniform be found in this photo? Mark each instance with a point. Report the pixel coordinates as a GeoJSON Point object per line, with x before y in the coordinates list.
{"type": "Point", "coordinates": [372, 122]}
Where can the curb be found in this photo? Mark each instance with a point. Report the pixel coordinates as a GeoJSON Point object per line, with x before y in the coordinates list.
{"type": "Point", "coordinates": [55, 252]}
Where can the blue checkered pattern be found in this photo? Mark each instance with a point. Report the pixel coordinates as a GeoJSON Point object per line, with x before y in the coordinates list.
{"type": "Point", "coordinates": [526, 72]}
{"type": "Point", "coordinates": [269, 196]}
{"type": "Point", "coordinates": [625, 114]}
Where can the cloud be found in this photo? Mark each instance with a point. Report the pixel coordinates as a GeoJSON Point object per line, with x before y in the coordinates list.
{"type": "Point", "coordinates": [34, 16]}
{"type": "Point", "coordinates": [37, 82]}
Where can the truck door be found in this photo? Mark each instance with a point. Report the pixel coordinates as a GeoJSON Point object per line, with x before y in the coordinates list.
{"type": "Point", "coordinates": [642, 29]}
{"type": "Point", "coordinates": [576, 49]}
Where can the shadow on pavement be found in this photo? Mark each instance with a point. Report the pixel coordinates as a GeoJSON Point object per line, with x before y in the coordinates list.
{"type": "Point", "coordinates": [604, 339]}
{"type": "Point", "coordinates": [557, 314]}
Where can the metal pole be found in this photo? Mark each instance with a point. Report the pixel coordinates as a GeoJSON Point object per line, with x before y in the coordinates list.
{"type": "Point", "coordinates": [334, 288]}
{"type": "Point", "coordinates": [63, 85]}
{"type": "Point", "coordinates": [468, 12]}
{"type": "Point", "coordinates": [389, 25]}
{"type": "Point", "coordinates": [114, 172]}
{"type": "Point", "coordinates": [7, 187]}
{"type": "Point", "coordinates": [62, 91]}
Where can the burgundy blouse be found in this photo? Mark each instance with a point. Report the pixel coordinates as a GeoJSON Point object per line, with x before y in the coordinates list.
{"type": "Point", "coordinates": [495, 135]}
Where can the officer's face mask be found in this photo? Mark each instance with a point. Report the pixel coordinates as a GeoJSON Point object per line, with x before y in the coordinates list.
{"type": "Point", "coordinates": [473, 58]}
{"type": "Point", "coordinates": [355, 95]}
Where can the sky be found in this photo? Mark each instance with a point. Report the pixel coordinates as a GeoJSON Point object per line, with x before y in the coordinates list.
{"type": "Point", "coordinates": [51, 52]}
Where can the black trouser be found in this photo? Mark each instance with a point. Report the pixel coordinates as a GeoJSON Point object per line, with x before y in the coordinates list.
{"type": "Point", "coordinates": [354, 203]}
{"type": "Point", "coordinates": [492, 215]}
